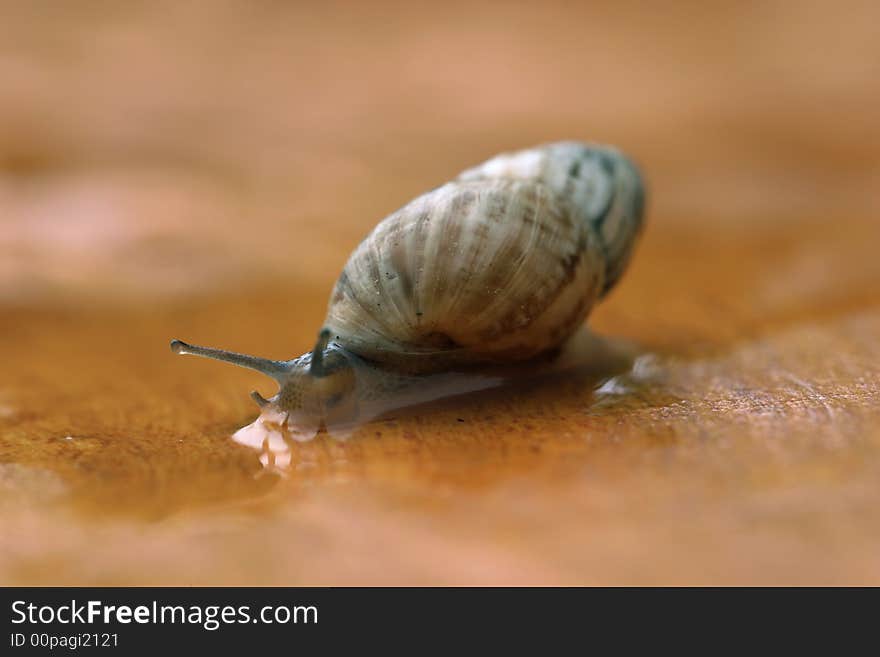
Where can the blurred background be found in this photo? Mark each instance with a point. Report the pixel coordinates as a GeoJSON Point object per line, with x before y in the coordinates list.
{"type": "Point", "coordinates": [202, 170]}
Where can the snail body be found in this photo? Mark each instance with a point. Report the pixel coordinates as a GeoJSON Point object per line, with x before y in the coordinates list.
{"type": "Point", "coordinates": [496, 268]}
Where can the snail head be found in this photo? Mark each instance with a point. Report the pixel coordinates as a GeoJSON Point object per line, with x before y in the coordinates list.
{"type": "Point", "coordinates": [315, 390]}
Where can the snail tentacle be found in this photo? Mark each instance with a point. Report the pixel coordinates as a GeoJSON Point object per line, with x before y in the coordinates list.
{"type": "Point", "coordinates": [261, 401]}
{"type": "Point", "coordinates": [316, 368]}
{"type": "Point", "coordinates": [276, 369]}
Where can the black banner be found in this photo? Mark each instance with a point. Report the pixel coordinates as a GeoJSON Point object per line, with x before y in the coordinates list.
{"type": "Point", "coordinates": [147, 620]}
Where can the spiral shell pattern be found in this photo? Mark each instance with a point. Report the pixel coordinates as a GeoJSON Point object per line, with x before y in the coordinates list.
{"type": "Point", "coordinates": [500, 265]}
{"type": "Point", "coordinates": [597, 183]}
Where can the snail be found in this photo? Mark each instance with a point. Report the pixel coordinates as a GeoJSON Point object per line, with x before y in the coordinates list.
{"type": "Point", "coordinates": [497, 268]}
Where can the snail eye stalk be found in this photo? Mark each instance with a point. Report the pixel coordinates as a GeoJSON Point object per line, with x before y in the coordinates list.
{"type": "Point", "coordinates": [316, 369]}
{"type": "Point", "coordinates": [276, 369]}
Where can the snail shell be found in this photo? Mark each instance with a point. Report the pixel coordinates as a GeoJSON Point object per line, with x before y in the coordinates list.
{"type": "Point", "coordinates": [498, 266]}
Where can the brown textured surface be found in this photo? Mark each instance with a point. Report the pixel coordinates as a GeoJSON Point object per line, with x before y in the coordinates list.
{"type": "Point", "coordinates": [170, 171]}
